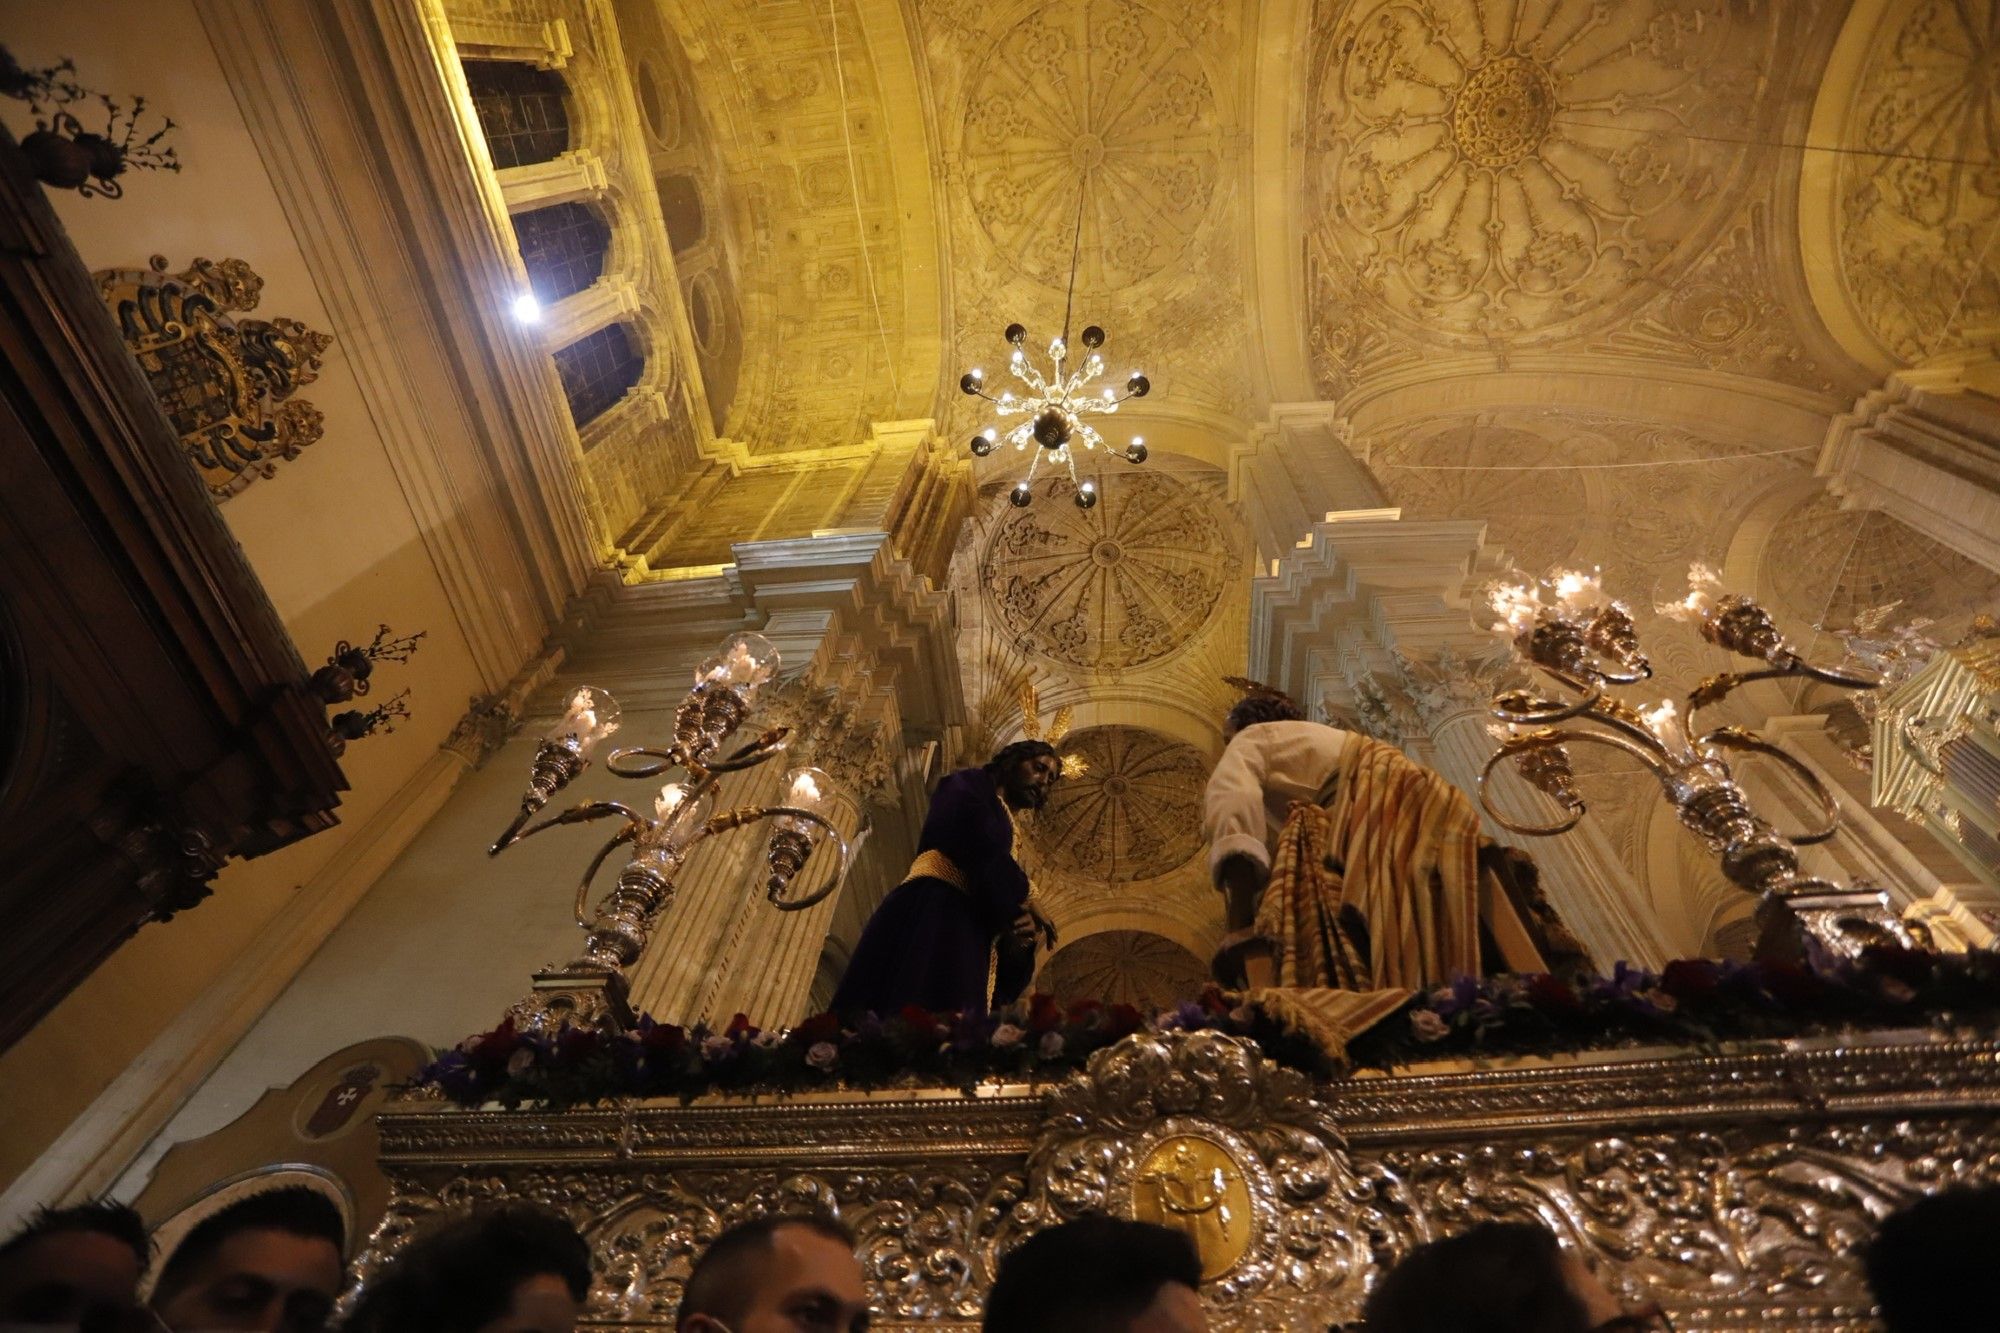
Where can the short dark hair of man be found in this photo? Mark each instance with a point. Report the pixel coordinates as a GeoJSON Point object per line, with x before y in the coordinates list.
{"type": "Point", "coordinates": [1019, 752]}
{"type": "Point", "coordinates": [119, 1221]}
{"type": "Point", "coordinates": [1504, 1277]}
{"type": "Point", "coordinates": [296, 1210]}
{"type": "Point", "coordinates": [462, 1275]}
{"type": "Point", "coordinates": [1089, 1275]}
{"type": "Point", "coordinates": [724, 1278]}
{"type": "Point", "coordinates": [1929, 1262]}
{"type": "Point", "coordinates": [1262, 707]}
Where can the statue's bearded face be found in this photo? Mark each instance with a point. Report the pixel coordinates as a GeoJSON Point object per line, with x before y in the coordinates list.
{"type": "Point", "coordinates": [1027, 785]}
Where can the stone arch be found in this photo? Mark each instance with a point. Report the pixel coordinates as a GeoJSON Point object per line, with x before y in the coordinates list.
{"type": "Point", "coordinates": [599, 369]}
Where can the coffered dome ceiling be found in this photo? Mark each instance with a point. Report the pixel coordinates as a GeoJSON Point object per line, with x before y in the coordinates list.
{"type": "Point", "coordinates": [1135, 967]}
{"type": "Point", "coordinates": [1115, 587]}
{"type": "Point", "coordinates": [1488, 169]}
{"type": "Point", "coordinates": [1135, 814]}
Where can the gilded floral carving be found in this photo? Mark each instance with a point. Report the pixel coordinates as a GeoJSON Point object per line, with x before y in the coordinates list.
{"type": "Point", "coordinates": [1491, 171]}
{"type": "Point", "coordinates": [1917, 210]}
{"type": "Point", "coordinates": [1730, 1188]}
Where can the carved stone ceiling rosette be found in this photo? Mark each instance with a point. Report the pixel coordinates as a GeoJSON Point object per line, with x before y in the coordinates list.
{"type": "Point", "coordinates": [1124, 102]}
{"type": "Point", "coordinates": [1915, 237]}
{"type": "Point", "coordinates": [1135, 967]}
{"type": "Point", "coordinates": [1136, 814]}
{"type": "Point", "coordinates": [1108, 589]}
{"type": "Point", "coordinates": [1494, 171]}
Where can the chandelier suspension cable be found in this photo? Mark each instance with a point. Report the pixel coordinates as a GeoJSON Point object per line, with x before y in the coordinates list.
{"type": "Point", "coordinates": [1075, 253]}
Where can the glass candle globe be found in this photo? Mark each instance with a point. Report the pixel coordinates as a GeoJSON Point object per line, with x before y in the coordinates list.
{"type": "Point", "coordinates": [590, 715]}
{"type": "Point", "coordinates": [742, 661]}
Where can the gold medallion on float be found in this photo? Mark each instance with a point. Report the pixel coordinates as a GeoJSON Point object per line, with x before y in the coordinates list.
{"type": "Point", "coordinates": [1194, 1185]}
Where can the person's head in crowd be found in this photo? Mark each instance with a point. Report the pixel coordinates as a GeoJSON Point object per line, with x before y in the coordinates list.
{"type": "Point", "coordinates": [1928, 1265]}
{"type": "Point", "coordinates": [1026, 772]}
{"type": "Point", "coordinates": [1500, 1277]}
{"type": "Point", "coordinates": [270, 1261]}
{"type": "Point", "coordinates": [781, 1274]}
{"type": "Point", "coordinates": [1098, 1275]}
{"type": "Point", "coordinates": [75, 1267]}
{"type": "Point", "coordinates": [1260, 706]}
{"type": "Point", "coordinates": [512, 1268]}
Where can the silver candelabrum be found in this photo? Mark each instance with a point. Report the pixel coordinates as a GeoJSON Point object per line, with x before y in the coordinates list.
{"type": "Point", "coordinates": [1566, 626]}
{"type": "Point", "coordinates": [591, 988]}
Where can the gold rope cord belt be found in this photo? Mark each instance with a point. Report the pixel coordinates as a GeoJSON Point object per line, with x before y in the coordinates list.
{"type": "Point", "coordinates": [935, 864]}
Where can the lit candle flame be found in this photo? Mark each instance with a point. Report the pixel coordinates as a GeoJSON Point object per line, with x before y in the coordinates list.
{"type": "Point", "coordinates": [1577, 589]}
{"type": "Point", "coordinates": [805, 791]}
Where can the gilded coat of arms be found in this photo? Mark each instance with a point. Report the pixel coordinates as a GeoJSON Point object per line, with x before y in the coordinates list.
{"type": "Point", "coordinates": [226, 383]}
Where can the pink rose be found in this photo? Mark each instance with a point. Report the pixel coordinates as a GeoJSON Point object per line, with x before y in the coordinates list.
{"type": "Point", "coordinates": [822, 1055]}
{"type": "Point", "coordinates": [1428, 1026]}
{"type": "Point", "coordinates": [1007, 1035]}
{"type": "Point", "coordinates": [1050, 1046]}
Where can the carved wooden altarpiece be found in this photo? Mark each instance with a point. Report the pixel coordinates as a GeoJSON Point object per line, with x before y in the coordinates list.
{"type": "Point", "coordinates": [1731, 1186]}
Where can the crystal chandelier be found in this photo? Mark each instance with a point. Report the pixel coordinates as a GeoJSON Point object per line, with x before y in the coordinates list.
{"type": "Point", "coordinates": [1054, 411]}
{"type": "Point", "coordinates": [1055, 408]}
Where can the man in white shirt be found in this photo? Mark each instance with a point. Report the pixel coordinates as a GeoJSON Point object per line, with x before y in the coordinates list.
{"type": "Point", "coordinates": [1273, 757]}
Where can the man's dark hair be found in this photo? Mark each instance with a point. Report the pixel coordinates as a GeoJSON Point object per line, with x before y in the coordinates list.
{"type": "Point", "coordinates": [463, 1275]}
{"type": "Point", "coordinates": [1506, 1277]}
{"type": "Point", "coordinates": [1262, 707]}
{"type": "Point", "coordinates": [1093, 1274]}
{"type": "Point", "coordinates": [298, 1210]}
{"type": "Point", "coordinates": [116, 1220]}
{"type": "Point", "coordinates": [725, 1275]}
{"type": "Point", "coordinates": [1018, 752]}
{"type": "Point", "coordinates": [1929, 1263]}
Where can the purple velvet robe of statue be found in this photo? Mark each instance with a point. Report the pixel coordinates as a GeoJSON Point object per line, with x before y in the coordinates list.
{"type": "Point", "coordinates": [929, 941]}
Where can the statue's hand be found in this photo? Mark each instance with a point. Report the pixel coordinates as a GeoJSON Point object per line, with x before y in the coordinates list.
{"type": "Point", "coordinates": [1021, 933]}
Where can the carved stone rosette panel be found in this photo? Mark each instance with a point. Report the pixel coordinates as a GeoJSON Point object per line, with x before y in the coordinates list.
{"type": "Point", "coordinates": [227, 383]}
{"type": "Point", "coordinates": [1730, 1187]}
{"type": "Point", "coordinates": [1118, 586]}
{"type": "Point", "coordinates": [1134, 813]}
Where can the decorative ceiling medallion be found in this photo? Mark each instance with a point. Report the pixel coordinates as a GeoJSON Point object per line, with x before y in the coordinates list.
{"type": "Point", "coordinates": [1135, 967]}
{"type": "Point", "coordinates": [1111, 587]}
{"type": "Point", "coordinates": [227, 384]}
{"type": "Point", "coordinates": [1916, 237]}
{"type": "Point", "coordinates": [1134, 813]}
{"type": "Point", "coordinates": [1487, 169]}
{"type": "Point", "coordinates": [1108, 90]}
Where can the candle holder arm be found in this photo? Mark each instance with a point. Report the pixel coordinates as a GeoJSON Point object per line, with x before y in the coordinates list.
{"type": "Point", "coordinates": [1735, 738]}
{"type": "Point", "coordinates": [1546, 740]}
{"type": "Point", "coordinates": [750, 814]}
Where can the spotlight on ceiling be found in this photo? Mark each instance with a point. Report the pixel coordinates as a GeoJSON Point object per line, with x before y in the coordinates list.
{"type": "Point", "coordinates": [527, 310]}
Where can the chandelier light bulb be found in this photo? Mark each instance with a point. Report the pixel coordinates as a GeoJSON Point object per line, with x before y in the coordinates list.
{"type": "Point", "coordinates": [1136, 451]}
{"type": "Point", "coordinates": [1093, 336]}
{"type": "Point", "coordinates": [1086, 496]}
{"type": "Point", "coordinates": [1016, 334]}
{"type": "Point", "coordinates": [1020, 495]}
{"type": "Point", "coordinates": [1138, 386]}
{"type": "Point", "coordinates": [972, 381]}
{"type": "Point", "coordinates": [982, 443]}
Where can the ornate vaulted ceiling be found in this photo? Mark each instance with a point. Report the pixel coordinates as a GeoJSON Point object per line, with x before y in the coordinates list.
{"type": "Point", "coordinates": [1557, 265]}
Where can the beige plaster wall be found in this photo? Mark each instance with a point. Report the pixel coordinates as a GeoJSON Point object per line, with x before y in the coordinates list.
{"type": "Point", "coordinates": [331, 536]}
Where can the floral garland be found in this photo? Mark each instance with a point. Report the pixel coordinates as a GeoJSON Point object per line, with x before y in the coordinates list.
{"type": "Point", "coordinates": [1691, 1002]}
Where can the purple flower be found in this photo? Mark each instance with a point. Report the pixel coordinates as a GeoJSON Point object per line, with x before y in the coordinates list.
{"type": "Point", "coordinates": [1050, 1046]}
{"type": "Point", "coordinates": [520, 1062]}
{"type": "Point", "coordinates": [717, 1048]}
{"type": "Point", "coordinates": [823, 1055]}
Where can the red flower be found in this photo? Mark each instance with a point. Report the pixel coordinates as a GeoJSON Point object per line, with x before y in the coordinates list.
{"type": "Point", "coordinates": [820, 1027]}
{"type": "Point", "coordinates": [1691, 979]}
{"type": "Point", "coordinates": [1123, 1020]}
{"type": "Point", "coordinates": [1212, 999]}
{"type": "Point", "coordinates": [740, 1026]}
{"type": "Point", "coordinates": [495, 1047]}
{"type": "Point", "coordinates": [575, 1045]}
{"type": "Point", "coordinates": [1085, 1013]}
{"type": "Point", "coordinates": [919, 1019]}
{"type": "Point", "coordinates": [1044, 1014]}
{"type": "Point", "coordinates": [664, 1038]}
{"type": "Point", "coordinates": [1553, 997]}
